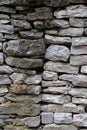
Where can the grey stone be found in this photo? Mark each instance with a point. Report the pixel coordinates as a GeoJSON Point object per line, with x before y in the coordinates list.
{"type": "Point", "coordinates": [75, 22]}
{"type": "Point", "coordinates": [48, 75]}
{"type": "Point", "coordinates": [5, 69]}
{"type": "Point", "coordinates": [7, 9]}
{"type": "Point", "coordinates": [21, 24]}
{"type": "Point", "coordinates": [61, 14]}
{"type": "Point", "coordinates": [79, 101]}
{"type": "Point", "coordinates": [34, 34]}
{"type": "Point", "coordinates": [56, 90]}
{"type": "Point", "coordinates": [78, 92]}
{"type": "Point", "coordinates": [4, 16]}
{"type": "Point", "coordinates": [46, 117]}
{"type": "Point", "coordinates": [80, 120]}
{"type": "Point", "coordinates": [78, 60]}
{"type": "Point", "coordinates": [16, 77]}
{"type": "Point", "coordinates": [61, 67]}
{"type": "Point", "coordinates": [37, 15]}
{"type": "Point", "coordinates": [65, 108]}
{"type": "Point", "coordinates": [33, 79]}
{"type": "Point", "coordinates": [11, 36]}
{"type": "Point", "coordinates": [84, 69]}
{"type": "Point", "coordinates": [85, 31]}
{"type": "Point", "coordinates": [8, 29]}
{"type": "Point", "coordinates": [77, 11]}
{"type": "Point", "coordinates": [4, 79]}
{"type": "Point", "coordinates": [1, 58]}
{"type": "Point", "coordinates": [23, 98]}
{"type": "Point", "coordinates": [11, 127]}
{"type": "Point", "coordinates": [53, 83]}
{"type": "Point", "coordinates": [3, 21]}
{"type": "Point", "coordinates": [22, 109]}
{"type": "Point", "coordinates": [78, 50]}
{"type": "Point", "coordinates": [24, 62]}
{"type": "Point", "coordinates": [31, 121]}
{"type": "Point", "coordinates": [2, 123]}
{"type": "Point", "coordinates": [80, 1]}
{"type": "Point", "coordinates": [59, 127]}
{"type": "Point", "coordinates": [57, 53]}
{"type": "Point", "coordinates": [79, 41]}
{"type": "Point", "coordinates": [51, 32]}
{"type": "Point", "coordinates": [71, 32]}
{"type": "Point", "coordinates": [57, 40]}
{"type": "Point", "coordinates": [38, 25]}
{"type": "Point", "coordinates": [63, 118]}
{"type": "Point", "coordinates": [25, 47]}
{"type": "Point", "coordinates": [77, 80]}
{"type": "Point", "coordinates": [58, 99]}
{"type": "Point", "coordinates": [19, 88]}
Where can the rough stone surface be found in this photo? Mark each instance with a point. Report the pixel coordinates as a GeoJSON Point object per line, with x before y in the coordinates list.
{"type": "Point", "coordinates": [6, 29]}
{"type": "Point", "coordinates": [63, 118]}
{"type": "Point", "coordinates": [57, 40]}
{"type": "Point", "coordinates": [48, 75]}
{"type": "Point", "coordinates": [57, 53]}
{"type": "Point", "coordinates": [47, 14]}
{"type": "Point", "coordinates": [60, 67]}
{"type": "Point", "coordinates": [1, 58]}
{"type": "Point", "coordinates": [47, 118]}
{"type": "Point", "coordinates": [80, 41]}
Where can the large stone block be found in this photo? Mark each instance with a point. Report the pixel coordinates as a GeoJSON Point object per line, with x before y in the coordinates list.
{"type": "Point", "coordinates": [76, 22]}
{"type": "Point", "coordinates": [49, 75]}
{"type": "Point", "coordinates": [24, 62]}
{"type": "Point", "coordinates": [79, 41]}
{"type": "Point", "coordinates": [61, 67]}
{"type": "Point", "coordinates": [57, 53]}
{"type": "Point", "coordinates": [25, 47]}
{"type": "Point", "coordinates": [81, 101]}
{"type": "Point", "coordinates": [5, 69]}
{"type": "Point", "coordinates": [47, 117]}
{"type": "Point", "coordinates": [22, 109]}
{"type": "Point", "coordinates": [63, 118]}
{"type": "Point", "coordinates": [78, 50]}
{"type": "Point", "coordinates": [37, 15]}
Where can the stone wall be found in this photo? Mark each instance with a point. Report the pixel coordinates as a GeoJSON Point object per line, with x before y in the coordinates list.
{"type": "Point", "coordinates": [43, 64]}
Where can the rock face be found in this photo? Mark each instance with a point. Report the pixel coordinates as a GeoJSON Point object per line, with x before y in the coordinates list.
{"type": "Point", "coordinates": [43, 64]}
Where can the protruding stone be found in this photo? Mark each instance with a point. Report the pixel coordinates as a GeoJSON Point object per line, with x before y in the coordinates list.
{"type": "Point", "coordinates": [57, 40]}
{"type": "Point", "coordinates": [49, 75]}
{"type": "Point", "coordinates": [24, 62]}
{"type": "Point", "coordinates": [63, 118]}
{"type": "Point", "coordinates": [61, 14]}
{"type": "Point", "coordinates": [60, 99]}
{"type": "Point", "coordinates": [61, 67]}
{"type": "Point", "coordinates": [57, 53]}
{"type": "Point", "coordinates": [84, 69]}
{"type": "Point", "coordinates": [71, 32]}
{"type": "Point", "coordinates": [75, 22]}
{"type": "Point", "coordinates": [37, 15]}
{"type": "Point", "coordinates": [46, 118]}
{"type": "Point", "coordinates": [80, 120]}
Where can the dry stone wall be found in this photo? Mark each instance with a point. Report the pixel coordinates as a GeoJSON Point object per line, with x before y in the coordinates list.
{"type": "Point", "coordinates": [43, 64]}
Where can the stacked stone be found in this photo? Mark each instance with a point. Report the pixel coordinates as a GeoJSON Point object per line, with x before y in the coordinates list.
{"type": "Point", "coordinates": [64, 93]}
{"type": "Point", "coordinates": [22, 51]}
